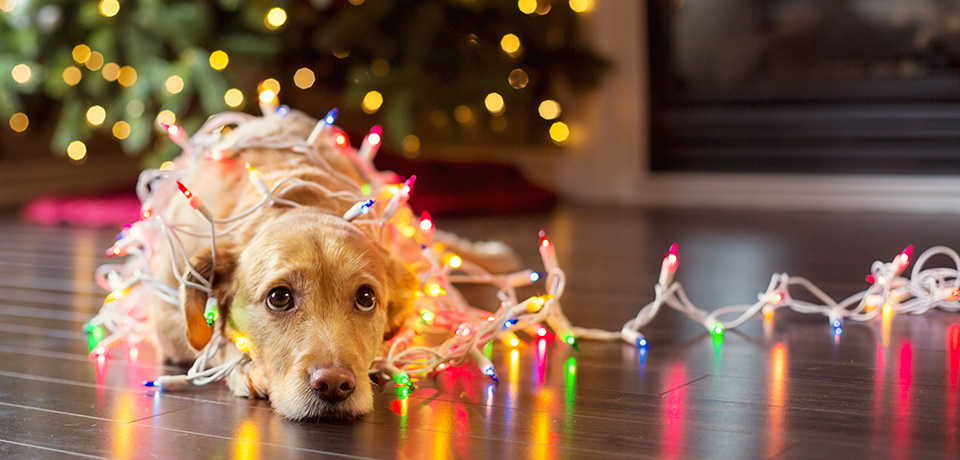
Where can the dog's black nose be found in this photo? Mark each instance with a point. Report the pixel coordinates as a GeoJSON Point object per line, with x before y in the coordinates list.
{"type": "Point", "coordinates": [333, 384]}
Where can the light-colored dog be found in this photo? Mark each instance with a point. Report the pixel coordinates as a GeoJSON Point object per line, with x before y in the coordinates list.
{"type": "Point", "coordinates": [313, 294]}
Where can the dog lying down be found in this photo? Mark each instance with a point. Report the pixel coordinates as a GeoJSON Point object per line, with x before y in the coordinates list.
{"type": "Point", "coordinates": [313, 294]}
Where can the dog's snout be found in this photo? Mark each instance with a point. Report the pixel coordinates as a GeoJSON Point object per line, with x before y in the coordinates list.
{"type": "Point", "coordinates": [333, 384]}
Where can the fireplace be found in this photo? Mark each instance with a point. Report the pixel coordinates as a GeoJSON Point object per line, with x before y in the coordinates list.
{"type": "Point", "coordinates": [805, 86]}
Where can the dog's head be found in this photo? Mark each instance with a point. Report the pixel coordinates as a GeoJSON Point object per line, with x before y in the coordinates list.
{"type": "Point", "coordinates": [314, 297]}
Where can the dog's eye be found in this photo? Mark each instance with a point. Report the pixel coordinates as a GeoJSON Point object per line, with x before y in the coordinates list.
{"type": "Point", "coordinates": [365, 299]}
{"type": "Point", "coordinates": [280, 299]}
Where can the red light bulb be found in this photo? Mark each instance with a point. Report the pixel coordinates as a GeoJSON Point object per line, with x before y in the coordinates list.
{"type": "Point", "coordinates": [184, 190]}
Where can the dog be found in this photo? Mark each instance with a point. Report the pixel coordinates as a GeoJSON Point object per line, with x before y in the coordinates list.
{"type": "Point", "coordinates": [313, 295]}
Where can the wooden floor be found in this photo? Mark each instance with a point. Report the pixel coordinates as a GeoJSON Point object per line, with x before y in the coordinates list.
{"type": "Point", "coordinates": [784, 388]}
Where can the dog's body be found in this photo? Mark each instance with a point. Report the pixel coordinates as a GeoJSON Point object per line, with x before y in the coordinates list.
{"type": "Point", "coordinates": [313, 294]}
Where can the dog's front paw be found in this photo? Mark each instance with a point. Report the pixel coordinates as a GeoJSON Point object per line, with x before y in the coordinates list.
{"type": "Point", "coordinates": [247, 382]}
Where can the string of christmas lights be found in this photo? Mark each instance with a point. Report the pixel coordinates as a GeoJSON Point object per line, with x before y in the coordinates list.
{"type": "Point", "coordinates": [380, 207]}
{"type": "Point", "coordinates": [925, 289]}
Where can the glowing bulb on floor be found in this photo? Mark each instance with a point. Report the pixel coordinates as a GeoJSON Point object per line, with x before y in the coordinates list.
{"type": "Point", "coordinates": [427, 316]}
{"type": "Point", "coordinates": [717, 330]}
{"type": "Point", "coordinates": [402, 379]}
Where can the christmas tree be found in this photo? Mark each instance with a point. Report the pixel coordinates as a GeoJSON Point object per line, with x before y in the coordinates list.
{"type": "Point", "coordinates": [442, 70]}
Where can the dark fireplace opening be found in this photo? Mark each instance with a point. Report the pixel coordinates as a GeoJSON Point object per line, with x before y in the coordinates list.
{"type": "Point", "coordinates": [805, 86]}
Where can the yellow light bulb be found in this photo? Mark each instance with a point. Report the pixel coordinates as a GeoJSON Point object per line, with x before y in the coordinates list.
{"type": "Point", "coordinates": [174, 84]}
{"type": "Point", "coordinates": [21, 73]}
{"type": "Point", "coordinates": [127, 76]}
{"type": "Point", "coordinates": [434, 290]}
{"type": "Point", "coordinates": [76, 150]}
{"type": "Point", "coordinates": [494, 103]}
{"type": "Point", "coordinates": [275, 18]}
{"type": "Point", "coordinates": [510, 43]}
{"type": "Point", "coordinates": [219, 60]}
{"type": "Point", "coordinates": [81, 53]}
{"type": "Point", "coordinates": [71, 75]}
{"type": "Point", "coordinates": [109, 8]}
{"type": "Point", "coordinates": [121, 130]}
{"type": "Point", "coordinates": [271, 83]}
{"type": "Point", "coordinates": [581, 6]}
{"type": "Point", "coordinates": [372, 102]}
{"type": "Point", "coordinates": [95, 62]}
{"type": "Point", "coordinates": [456, 261]}
{"type": "Point", "coordinates": [242, 343]}
{"type": "Point", "coordinates": [304, 78]}
{"type": "Point", "coordinates": [166, 117]}
{"type": "Point", "coordinates": [527, 6]}
{"type": "Point", "coordinates": [233, 97]}
{"type": "Point", "coordinates": [111, 71]}
{"type": "Point", "coordinates": [549, 109]}
{"type": "Point", "coordinates": [268, 95]}
{"type": "Point", "coordinates": [559, 132]}
{"type": "Point", "coordinates": [96, 115]}
{"type": "Point", "coordinates": [19, 122]}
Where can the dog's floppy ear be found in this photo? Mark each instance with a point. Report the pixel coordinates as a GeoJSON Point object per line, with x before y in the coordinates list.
{"type": "Point", "coordinates": [194, 300]}
{"type": "Point", "coordinates": [403, 287]}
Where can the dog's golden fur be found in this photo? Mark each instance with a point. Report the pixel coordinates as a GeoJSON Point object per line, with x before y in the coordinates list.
{"type": "Point", "coordinates": [308, 249]}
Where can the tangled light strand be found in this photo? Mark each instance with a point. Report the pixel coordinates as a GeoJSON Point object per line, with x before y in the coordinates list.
{"type": "Point", "coordinates": [925, 289]}
{"type": "Point", "coordinates": [379, 205]}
